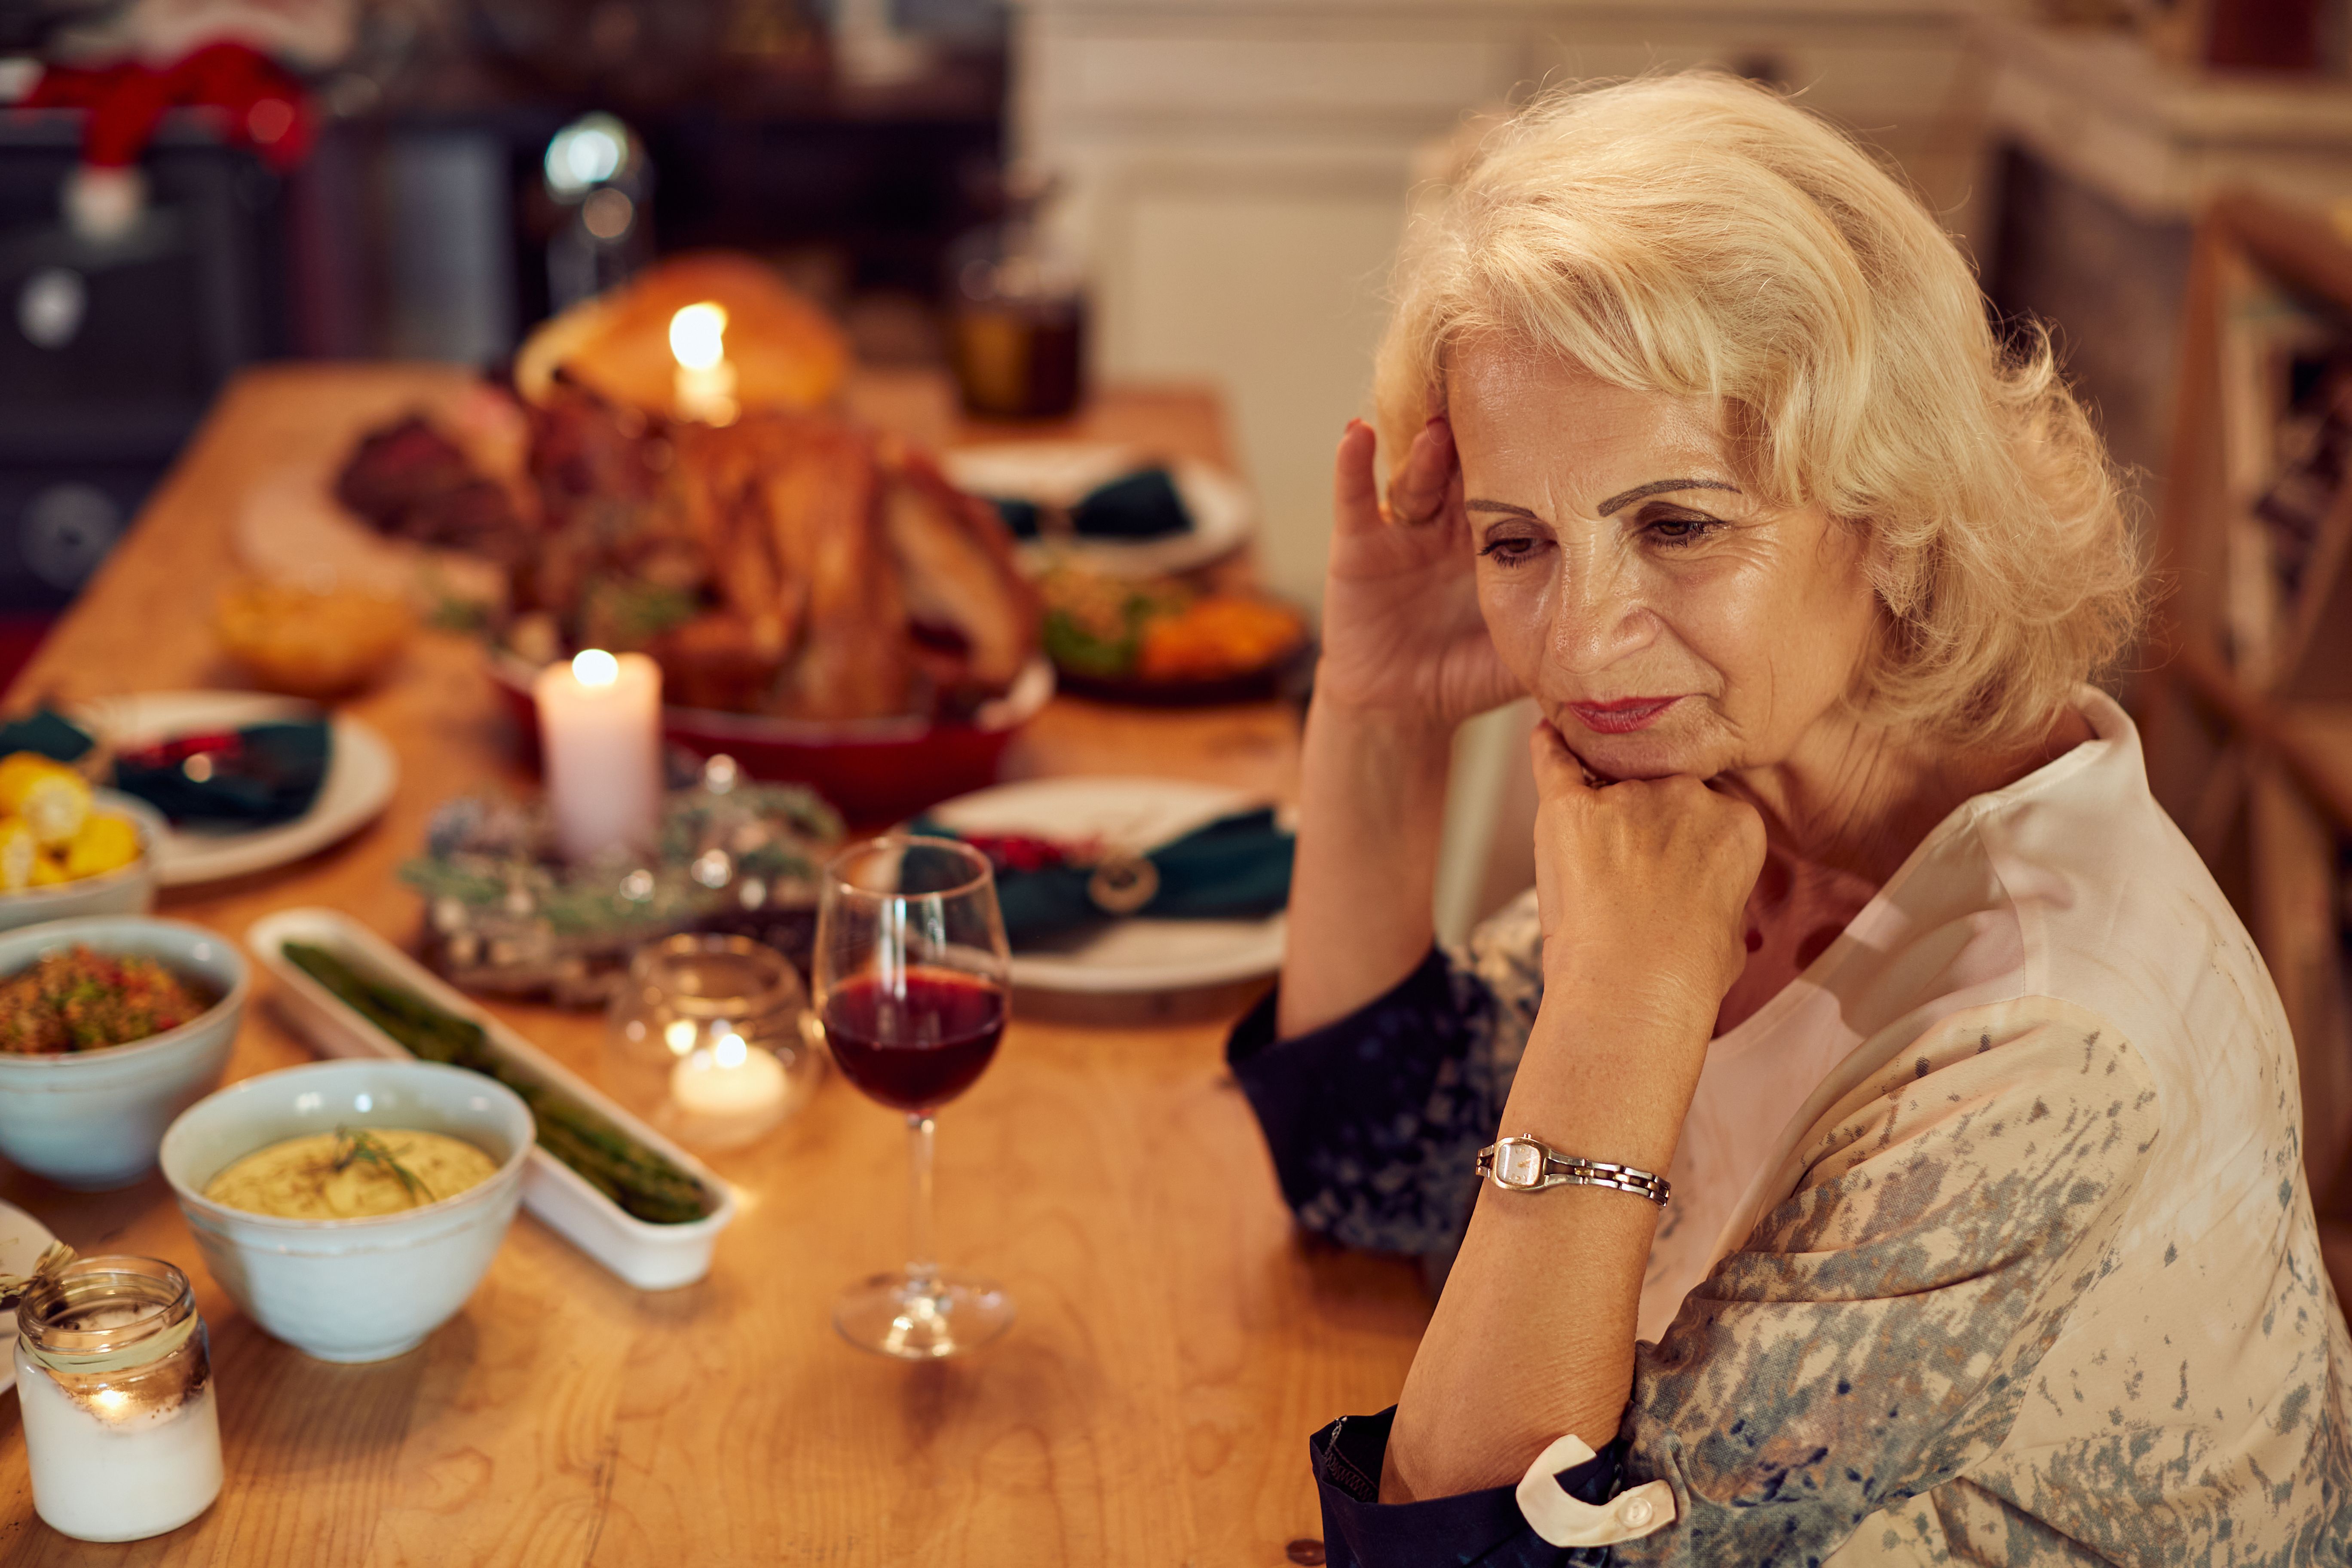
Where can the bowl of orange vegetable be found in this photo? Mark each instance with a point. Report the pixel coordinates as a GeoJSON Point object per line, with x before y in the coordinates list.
{"type": "Point", "coordinates": [1165, 641]}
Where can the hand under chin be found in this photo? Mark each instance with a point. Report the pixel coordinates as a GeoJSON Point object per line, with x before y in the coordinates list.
{"type": "Point", "coordinates": [1617, 759]}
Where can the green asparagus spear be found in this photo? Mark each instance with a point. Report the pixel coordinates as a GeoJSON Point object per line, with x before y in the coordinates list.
{"type": "Point", "coordinates": [638, 1179]}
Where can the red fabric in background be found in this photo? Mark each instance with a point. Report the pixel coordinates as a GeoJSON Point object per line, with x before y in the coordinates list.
{"type": "Point", "coordinates": [261, 102]}
{"type": "Point", "coordinates": [21, 635]}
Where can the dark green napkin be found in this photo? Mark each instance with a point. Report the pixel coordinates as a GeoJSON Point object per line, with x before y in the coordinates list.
{"type": "Point", "coordinates": [49, 733]}
{"type": "Point", "coordinates": [1142, 505]}
{"type": "Point", "coordinates": [258, 776]}
{"type": "Point", "coordinates": [1021, 517]}
{"type": "Point", "coordinates": [1236, 867]}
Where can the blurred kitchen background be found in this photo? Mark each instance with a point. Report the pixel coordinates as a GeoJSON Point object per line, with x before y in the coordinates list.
{"type": "Point", "coordinates": [1229, 177]}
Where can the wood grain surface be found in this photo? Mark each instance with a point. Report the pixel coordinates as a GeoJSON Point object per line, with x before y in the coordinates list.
{"type": "Point", "coordinates": [1176, 1343]}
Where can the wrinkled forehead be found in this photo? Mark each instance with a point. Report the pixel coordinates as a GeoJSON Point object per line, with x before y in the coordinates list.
{"type": "Point", "coordinates": [1526, 415]}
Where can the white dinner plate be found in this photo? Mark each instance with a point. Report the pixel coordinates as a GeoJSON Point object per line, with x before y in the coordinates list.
{"type": "Point", "coordinates": [23, 1239]}
{"type": "Point", "coordinates": [1060, 473]}
{"type": "Point", "coordinates": [1128, 955]}
{"type": "Point", "coordinates": [362, 774]}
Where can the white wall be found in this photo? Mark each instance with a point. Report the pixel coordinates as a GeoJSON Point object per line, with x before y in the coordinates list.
{"type": "Point", "coordinates": [1238, 171]}
{"type": "Point", "coordinates": [1209, 272]}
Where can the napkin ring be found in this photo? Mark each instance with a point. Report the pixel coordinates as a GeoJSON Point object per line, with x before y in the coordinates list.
{"type": "Point", "coordinates": [1123, 884]}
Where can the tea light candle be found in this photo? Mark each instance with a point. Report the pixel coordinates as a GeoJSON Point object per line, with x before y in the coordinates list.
{"type": "Point", "coordinates": [600, 737]}
{"type": "Point", "coordinates": [703, 389]}
{"type": "Point", "coordinates": [729, 1091]}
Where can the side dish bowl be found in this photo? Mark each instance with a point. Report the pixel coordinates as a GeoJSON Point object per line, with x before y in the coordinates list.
{"type": "Point", "coordinates": [91, 1120]}
{"type": "Point", "coordinates": [351, 1290]}
{"type": "Point", "coordinates": [129, 891]}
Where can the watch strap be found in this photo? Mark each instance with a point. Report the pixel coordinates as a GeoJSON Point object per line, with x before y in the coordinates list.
{"type": "Point", "coordinates": [1519, 1165]}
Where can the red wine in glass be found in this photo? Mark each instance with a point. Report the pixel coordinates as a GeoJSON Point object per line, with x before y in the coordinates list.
{"type": "Point", "coordinates": [913, 980]}
{"type": "Point", "coordinates": [915, 1044]}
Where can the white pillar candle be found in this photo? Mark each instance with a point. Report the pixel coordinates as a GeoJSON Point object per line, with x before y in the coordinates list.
{"type": "Point", "coordinates": [704, 388]}
{"type": "Point", "coordinates": [600, 743]}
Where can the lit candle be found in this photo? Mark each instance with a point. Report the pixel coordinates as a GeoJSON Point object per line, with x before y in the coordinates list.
{"type": "Point", "coordinates": [600, 738]}
{"type": "Point", "coordinates": [705, 386]}
{"type": "Point", "coordinates": [114, 1386]}
{"type": "Point", "coordinates": [728, 1092]}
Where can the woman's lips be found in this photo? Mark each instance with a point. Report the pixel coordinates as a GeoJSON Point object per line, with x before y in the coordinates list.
{"type": "Point", "coordinates": [1622, 717]}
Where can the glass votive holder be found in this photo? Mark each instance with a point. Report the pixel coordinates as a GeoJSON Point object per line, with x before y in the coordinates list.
{"type": "Point", "coordinates": [114, 1383]}
{"type": "Point", "coordinates": [710, 1038]}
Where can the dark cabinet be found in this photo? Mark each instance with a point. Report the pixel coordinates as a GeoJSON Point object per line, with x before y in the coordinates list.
{"type": "Point", "coordinates": [110, 352]}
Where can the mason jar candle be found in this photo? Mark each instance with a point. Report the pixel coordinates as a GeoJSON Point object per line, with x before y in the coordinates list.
{"type": "Point", "coordinates": [114, 1381]}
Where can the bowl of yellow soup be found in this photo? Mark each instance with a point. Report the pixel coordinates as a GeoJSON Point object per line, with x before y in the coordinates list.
{"type": "Point", "coordinates": [351, 1208]}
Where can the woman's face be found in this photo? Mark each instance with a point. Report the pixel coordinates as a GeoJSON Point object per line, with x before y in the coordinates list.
{"type": "Point", "coordinates": [1665, 622]}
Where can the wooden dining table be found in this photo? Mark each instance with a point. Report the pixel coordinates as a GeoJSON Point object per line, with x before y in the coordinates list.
{"type": "Point", "coordinates": [1178, 1339]}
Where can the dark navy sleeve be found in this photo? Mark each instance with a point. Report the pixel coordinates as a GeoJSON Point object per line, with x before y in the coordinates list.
{"type": "Point", "coordinates": [1374, 1121]}
{"type": "Point", "coordinates": [1482, 1528]}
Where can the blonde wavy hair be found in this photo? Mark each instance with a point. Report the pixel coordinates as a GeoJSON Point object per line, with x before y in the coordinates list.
{"type": "Point", "coordinates": [1692, 234]}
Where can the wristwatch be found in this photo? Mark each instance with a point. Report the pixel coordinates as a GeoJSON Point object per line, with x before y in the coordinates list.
{"type": "Point", "coordinates": [1529, 1165]}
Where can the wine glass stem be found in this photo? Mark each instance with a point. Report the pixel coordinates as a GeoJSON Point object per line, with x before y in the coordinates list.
{"type": "Point", "coordinates": [922, 1267]}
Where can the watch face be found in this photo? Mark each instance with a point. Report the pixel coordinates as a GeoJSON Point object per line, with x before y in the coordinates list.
{"type": "Point", "coordinates": [1518, 1163]}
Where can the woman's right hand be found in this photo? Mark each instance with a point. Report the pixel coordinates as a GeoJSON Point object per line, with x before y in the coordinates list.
{"type": "Point", "coordinates": [1402, 634]}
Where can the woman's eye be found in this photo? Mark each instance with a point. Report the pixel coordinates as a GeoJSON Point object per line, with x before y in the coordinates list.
{"type": "Point", "coordinates": [1511, 550]}
{"type": "Point", "coordinates": [1678, 528]}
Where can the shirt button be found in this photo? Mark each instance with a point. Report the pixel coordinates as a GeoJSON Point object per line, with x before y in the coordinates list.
{"type": "Point", "coordinates": [1634, 1511]}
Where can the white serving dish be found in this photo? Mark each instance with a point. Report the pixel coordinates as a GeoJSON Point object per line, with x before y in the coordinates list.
{"type": "Point", "coordinates": [129, 891]}
{"type": "Point", "coordinates": [23, 1239]}
{"type": "Point", "coordinates": [649, 1256]}
{"type": "Point", "coordinates": [91, 1120]}
{"type": "Point", "coordinates": [351, 1289]}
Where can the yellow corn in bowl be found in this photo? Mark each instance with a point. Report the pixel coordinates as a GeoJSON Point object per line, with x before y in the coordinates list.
{"type": "Point", "coordinates": [49, 798]}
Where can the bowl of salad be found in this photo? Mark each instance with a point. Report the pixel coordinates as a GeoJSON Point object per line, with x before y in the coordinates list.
{"type": "Point", "coordinates": [109, 1028]}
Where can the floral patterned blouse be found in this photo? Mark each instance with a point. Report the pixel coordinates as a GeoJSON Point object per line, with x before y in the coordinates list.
{"type": "Point", "coordinates": [1991, 1241]}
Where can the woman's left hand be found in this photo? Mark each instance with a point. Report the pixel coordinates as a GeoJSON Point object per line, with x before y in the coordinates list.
{"type": "Point", "coordinates": [1641, 887]}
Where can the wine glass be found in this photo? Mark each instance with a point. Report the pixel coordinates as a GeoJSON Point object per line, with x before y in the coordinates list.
{"type": "Point", "coordinates": [913, 982]}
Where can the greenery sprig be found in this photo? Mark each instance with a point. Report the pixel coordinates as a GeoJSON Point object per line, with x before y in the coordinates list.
{"type": "Point", "coordinates": [354, 1145]}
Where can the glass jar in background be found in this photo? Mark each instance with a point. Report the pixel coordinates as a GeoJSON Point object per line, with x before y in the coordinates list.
{"type": "Point", "coordinates": [709, 1039]}
{"type": "Point", "coordinates": [114, 1381]}
{"type": "Point", "coordinates": [1017, 315]}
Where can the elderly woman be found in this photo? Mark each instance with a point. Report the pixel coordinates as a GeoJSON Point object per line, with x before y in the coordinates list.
{"type": "Point", "coordinates": [1876, 1138]}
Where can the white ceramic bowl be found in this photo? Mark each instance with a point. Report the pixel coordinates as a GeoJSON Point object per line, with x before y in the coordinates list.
{"type": "Point", "coordinates": [91, 1120]}
{"type": "Point", "coordinates": [351, 1289]}
{"type": "Point", "coordinates": [128, 891]}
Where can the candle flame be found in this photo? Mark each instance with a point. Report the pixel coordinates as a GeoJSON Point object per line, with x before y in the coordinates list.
{"type": "Point", "coordinates": [678, 1035]}
{"type": "Point", "coordinates": [729, 1052]}
{"type": "Point", "coordinates": [594, 667]}
{"type": "Point", "coordinates": [698, 336]}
